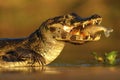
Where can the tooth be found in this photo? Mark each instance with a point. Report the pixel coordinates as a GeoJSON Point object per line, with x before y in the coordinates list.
{"type": "Point", "coordinates": [96, 22]}
{"type": "Point", "coordinates": [83, 25]}
{"type": "Point", "coordinates": [93, 22]}
{"type": "Point", "coordinates": [88, 37]}
{"type": "Point", "coordinates": [91, 38]}
{"type": "Point", "coordinates": [99, 22]}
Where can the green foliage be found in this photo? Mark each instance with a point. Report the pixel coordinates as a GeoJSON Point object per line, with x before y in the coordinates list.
{"type": "Point", "coordinates": [107, 58]}
{"type": "Point", "coordinates": [110, 58]}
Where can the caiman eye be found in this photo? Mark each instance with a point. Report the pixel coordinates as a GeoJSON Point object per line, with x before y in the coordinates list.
{"type": "Point", "coordinates": [52, 29]}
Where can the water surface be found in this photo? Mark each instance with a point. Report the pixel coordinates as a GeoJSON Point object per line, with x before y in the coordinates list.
{"type": "Point", "coordinates": [61, 73]}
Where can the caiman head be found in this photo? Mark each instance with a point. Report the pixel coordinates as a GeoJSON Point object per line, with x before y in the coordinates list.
{"type": "Point", "coordinates": [74, 29]}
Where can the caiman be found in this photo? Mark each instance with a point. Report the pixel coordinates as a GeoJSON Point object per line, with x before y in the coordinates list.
{"type": "Point", "coordinates": [46, 43]}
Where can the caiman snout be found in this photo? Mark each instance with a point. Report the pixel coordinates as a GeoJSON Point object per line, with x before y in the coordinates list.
{"type": "Point", "coordinates": [74, 29]}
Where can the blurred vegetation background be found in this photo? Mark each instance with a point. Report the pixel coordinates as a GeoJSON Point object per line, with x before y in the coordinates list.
{"type": "Point", "coordinates": [19, 18]}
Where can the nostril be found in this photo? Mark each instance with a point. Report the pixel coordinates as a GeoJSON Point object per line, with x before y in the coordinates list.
{"type": "Point", "coordinates": [54, 37]}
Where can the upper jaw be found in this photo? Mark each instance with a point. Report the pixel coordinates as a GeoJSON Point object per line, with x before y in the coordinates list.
{"type": "Point", "coordinates": [91, 22]}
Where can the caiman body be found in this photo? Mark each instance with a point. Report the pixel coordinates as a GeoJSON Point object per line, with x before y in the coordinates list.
{"type": "Point", "coordinates": [45, 44]}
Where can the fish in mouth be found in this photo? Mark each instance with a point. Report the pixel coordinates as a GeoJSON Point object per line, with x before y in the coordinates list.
{"type": "Point", "coordinates": [74, 29]}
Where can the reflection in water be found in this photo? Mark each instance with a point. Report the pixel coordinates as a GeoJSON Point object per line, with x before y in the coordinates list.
{"type": "Point", "coordinates": [22, 69]}
{"type": "Point", "coordinates": [44, 69]}
{"type": "Point", "coordinates": [61, 73]}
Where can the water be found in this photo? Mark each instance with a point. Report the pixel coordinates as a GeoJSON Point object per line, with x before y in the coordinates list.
{"type": "Point", "coordinates": [79, 72]}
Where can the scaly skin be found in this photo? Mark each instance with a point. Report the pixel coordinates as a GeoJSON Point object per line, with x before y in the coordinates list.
{"type": "Point", "coordinates": [45, 44]}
